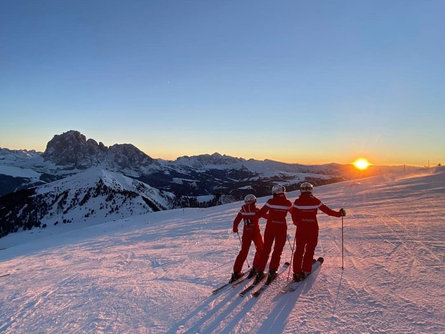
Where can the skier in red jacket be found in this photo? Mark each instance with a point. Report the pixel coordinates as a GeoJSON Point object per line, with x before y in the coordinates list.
{"type": "Point", "coordinates": [251, 232]}
{"type": "Point", "coordinates": [276, 210]}
{"type": "Point", "coordinates": [304, 216]}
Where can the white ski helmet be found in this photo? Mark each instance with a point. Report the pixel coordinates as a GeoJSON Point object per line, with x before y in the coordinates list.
{"type": "Point", "coordinates": [306, 187]}
{"type": "Point", "coordinates": [278, 189]}
{"type": "Point", "coordinates": [250, 199]}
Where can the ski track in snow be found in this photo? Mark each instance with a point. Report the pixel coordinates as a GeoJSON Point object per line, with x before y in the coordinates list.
{"type": "Point", "coordinates": [155, 273]}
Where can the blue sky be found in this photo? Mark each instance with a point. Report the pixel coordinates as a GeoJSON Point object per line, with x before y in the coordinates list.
{"type": "Point", "coordinates": [294, 81]}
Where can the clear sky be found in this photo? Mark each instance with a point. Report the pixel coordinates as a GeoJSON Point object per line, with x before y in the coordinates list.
{"type": "Point", "coordinates": [293, 81]}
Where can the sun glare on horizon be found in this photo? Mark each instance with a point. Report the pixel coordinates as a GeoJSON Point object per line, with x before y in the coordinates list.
{"type": "Point", "coordinates": [361, 164]}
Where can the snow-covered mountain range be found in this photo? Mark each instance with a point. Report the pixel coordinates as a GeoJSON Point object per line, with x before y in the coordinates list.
{"type": "Point", "coordinates": [93, 196]}
{"type": "Point", "coordinates": [77, 179]}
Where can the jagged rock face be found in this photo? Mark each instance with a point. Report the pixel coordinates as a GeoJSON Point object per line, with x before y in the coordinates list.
{"type": "Point", "coordinates": [72, 149]}
{"type": "Point", "coordinates": [128, 156]}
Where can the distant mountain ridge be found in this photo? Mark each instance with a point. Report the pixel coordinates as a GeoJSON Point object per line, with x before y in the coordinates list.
{"type": "Point", "coordinates": [33, 184]}
{"type": "Point", "coordinates": [71, 152]}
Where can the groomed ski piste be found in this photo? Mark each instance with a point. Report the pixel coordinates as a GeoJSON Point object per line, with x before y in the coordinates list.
{"type": "Point", "coordinates": [155, 273]}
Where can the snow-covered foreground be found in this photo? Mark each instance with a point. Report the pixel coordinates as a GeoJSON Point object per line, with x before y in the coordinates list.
{"type": "Point", "coordinates": [155, 273]}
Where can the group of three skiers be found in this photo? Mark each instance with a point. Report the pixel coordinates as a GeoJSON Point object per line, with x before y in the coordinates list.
{"type": "Point", "coordinates": [304, 215]}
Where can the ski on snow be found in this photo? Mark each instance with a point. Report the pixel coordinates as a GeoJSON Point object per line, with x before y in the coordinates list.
{"type": "Point", "coordinates": [292, 285]}
{"type": "Point", "coordinates": [253, 285]}
{"type": "Point", "coordinates": [241, 280]}
{"type": "Point", "coordinates": [265, 285]}
{"type": "Point", "coordinates": [238, 281]}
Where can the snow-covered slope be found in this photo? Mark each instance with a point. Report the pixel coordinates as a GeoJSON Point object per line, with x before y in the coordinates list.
{"type": "Point", "coordinates": [92, 196]}
{"type": "Point", "coordinates": [19, 169]}
{"type": "Point", "coordinates": [154, 273]}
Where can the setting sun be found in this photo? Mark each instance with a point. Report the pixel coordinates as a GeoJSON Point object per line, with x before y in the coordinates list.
{"type": "Point", "coordinates": [361, 164]}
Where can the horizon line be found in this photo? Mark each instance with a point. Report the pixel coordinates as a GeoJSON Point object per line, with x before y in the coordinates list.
{"type": "Point", "coordinates": [247, 159]}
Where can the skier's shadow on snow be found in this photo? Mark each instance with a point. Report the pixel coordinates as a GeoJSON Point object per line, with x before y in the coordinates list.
{"type": "Point", "coordinates": [212, 311]}
{"type": "Point", "coordinates": [237, 316]}
{"type": "Point", "coordinates": [334, 309]}
{"type": "Point", "coordinates": [277, 319]}
{"type": "Point", "coordinates": [209, 312]}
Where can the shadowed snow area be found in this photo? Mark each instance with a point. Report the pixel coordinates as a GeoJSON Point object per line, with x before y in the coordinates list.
{"type": "Point", "coordinates": [155, 273]}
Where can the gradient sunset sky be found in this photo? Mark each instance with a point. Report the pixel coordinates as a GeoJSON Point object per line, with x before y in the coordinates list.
{"type": "Point", "coordinates": [292, 81]}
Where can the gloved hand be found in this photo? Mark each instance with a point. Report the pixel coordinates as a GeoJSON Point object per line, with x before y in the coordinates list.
{"type": "Point", "coordinates": [235, 230]}
{"type": "Point", "coordinates": [342, 212]}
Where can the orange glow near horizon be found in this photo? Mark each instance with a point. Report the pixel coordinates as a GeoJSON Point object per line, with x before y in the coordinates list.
{"type": "Point", "coordinates": [361, 164]}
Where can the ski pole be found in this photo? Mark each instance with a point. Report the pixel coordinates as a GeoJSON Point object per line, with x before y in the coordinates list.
{"type": "Point", "coordinates": [292, 256]}
{"type": "Point", "coordinates": [342, 248]}
{"type": "Point", "coordinates": [241, 244]}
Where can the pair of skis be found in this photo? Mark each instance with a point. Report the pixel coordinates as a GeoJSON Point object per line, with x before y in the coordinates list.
{"type": "Point", "coordinates": [234, 284]}
{"type": "Point", "coordinates": [289, 287]}
{"type": "Point", "coordinates": [243, 278]}
{"type": "Point", "coordinates": [293, 285]}
{"type": "Point", "coordinates": [264, 284]}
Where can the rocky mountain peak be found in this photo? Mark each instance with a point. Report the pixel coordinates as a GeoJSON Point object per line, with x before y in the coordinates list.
{"type": "Point", "coordinates": [128, 155]}
{"type": "Point", "coordinates": [73, 149]}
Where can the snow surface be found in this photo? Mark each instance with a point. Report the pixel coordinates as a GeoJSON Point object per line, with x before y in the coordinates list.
{"type": "Point", "coordinates": [96, 209]}
{"type": "Point", "coordinates": [18, 172]}
{"type": "Point", "coordinates": [154, 273]}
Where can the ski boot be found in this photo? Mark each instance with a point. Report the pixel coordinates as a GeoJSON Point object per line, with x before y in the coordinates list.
{"type": "Point", "coordinates": [305, 274]}
{"type": "Point", "coordinates": [297, 277]}
{"type": "Point", "coordinates": [235, 276]}
{"type": "Point", "coordinates": [271, 276]}
{"type": "Point", "coordinates": [252, 273]}
{"type": "Point", "coordinates": [259, 277]}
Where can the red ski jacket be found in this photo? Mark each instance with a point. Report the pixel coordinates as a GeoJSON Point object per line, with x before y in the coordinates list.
{"type": "Point", "coordinates": [275, 209]}
{"type": "Point", "coordinates": [248, 212]}
{"type": "Point", "coordinates": [305, 208]}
